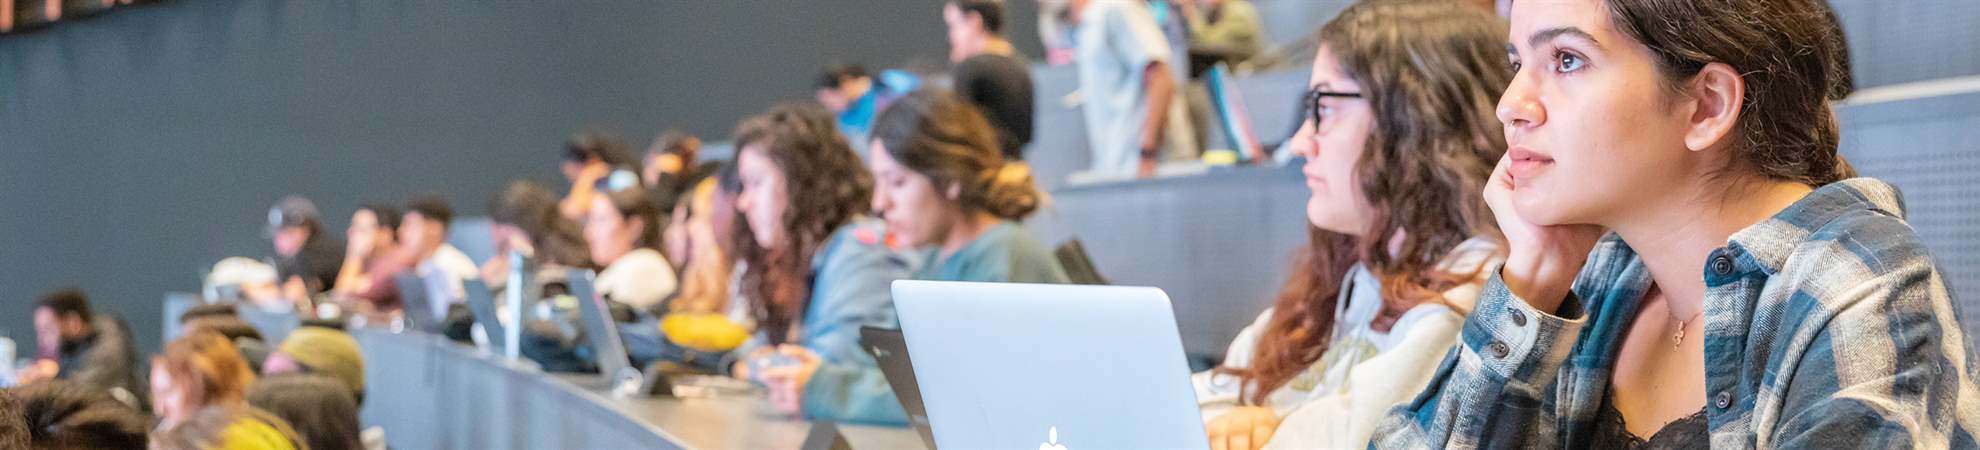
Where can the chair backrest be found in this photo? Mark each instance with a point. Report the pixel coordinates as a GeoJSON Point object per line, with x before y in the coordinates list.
{"type": "Point", "coordinates": [1079, 266]}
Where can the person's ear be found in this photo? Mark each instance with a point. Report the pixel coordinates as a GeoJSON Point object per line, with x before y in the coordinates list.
{"type": "Point", "coordinates": [954, 193]}
{"type": "Point", "coordinates": [1717, 96]}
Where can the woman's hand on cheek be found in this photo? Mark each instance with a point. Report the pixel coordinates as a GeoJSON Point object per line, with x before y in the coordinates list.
{"type": "Point", "coordinates": [1542, 260]}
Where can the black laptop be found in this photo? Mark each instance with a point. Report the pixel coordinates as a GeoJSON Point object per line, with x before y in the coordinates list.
{"type": "Point", "coordinates": [889, 348]}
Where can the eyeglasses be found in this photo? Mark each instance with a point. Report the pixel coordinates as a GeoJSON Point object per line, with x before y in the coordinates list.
{"type": "Point", "coordinates": [1318, 113]}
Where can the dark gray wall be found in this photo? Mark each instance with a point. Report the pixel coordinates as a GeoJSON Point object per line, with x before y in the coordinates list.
{"type": "Point", "coordinates": [138, 147]}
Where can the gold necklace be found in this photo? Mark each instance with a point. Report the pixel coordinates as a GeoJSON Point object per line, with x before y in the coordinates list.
{"type": "Point", "coordinates": [1677, 338]}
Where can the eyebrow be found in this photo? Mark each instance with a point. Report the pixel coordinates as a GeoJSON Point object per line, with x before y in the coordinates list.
{"type": "Point", "coordinates": [1551, 33]}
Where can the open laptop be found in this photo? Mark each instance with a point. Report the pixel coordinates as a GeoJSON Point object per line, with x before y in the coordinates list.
{"type": "Point", "coordinates": [481, 303]}
{"type": "Point", "coordinates": [601, 332]}
{"type": "Point", "coordinates": [889, 348]}
{"type": "Point", "coordinates": [414, 304]}
{"type": "Point", "coordinates": [1049, 366]}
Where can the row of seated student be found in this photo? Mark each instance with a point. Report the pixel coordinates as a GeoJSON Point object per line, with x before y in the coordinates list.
{"type": "Point", "coordinates": [1568, 306]}
{"type": "Point", "coordinates": [221, 384]}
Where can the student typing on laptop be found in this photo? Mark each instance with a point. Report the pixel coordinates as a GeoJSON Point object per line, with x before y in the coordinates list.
{"type": "Point", "coordinates": [817, 268]}
{"type": "Point", "coordinates": [1399, 142]}
{"type": "Point", "coordinates": [942, 185]}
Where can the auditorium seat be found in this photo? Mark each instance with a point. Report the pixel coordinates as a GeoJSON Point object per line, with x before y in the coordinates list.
{"type": "Point", "coordinates": [1925, 139]}
{"type": "Point", "coordinates": [1893, 42]}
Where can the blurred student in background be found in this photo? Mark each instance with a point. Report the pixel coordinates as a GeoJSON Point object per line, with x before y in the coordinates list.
{"type": "Point", "coordinates": [818, 269]}
{"type": "Point", "coordinates": [201, 385]}
{"type": "Point", "coordinates": [989, 72]}
{"type": "Point", "coordinates": [86, 347]}
{"type": "Point", "coordinates": [61, 415]}
{"type": "Point", "coordinates": [672, 166]}
{"type": "Point", "coordinates": [594, 162]}
{"type": "Point", "coordinates": [942, 185]}
{"type": "Point", "coordinates": [371, 238]}
{"type": "Point", "coordinates": [304, 253]}
{"type": "Point", "coordinates": [623, 230]}
{"type": "Point", "coordinates": [1128, 87]}
{"type": "Point", "coordinates": [1398, 143]}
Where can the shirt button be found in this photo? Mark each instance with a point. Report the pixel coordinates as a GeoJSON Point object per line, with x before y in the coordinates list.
{"type": "Point", "coordinates": [1498, 349]}
{"type": "Point", "coordinates": [1722, 265]}
{"type": "Point", "coordinates": [1725, 400]}
{"type": "Point", "coordinates": [1518, 318]}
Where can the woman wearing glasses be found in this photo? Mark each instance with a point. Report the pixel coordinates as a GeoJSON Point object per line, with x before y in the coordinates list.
{"type": "Point", "coordinates": [1400, 141]}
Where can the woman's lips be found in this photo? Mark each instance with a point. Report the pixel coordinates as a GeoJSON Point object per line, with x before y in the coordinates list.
{"type": "Point", "coordinates": [1527, 164]}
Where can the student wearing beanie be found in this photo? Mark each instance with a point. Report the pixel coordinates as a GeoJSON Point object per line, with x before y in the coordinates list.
{"type": "Point", "coordinates": [320, 351]}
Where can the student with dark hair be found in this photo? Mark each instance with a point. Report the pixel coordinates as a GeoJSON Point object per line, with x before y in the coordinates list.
{"type": "Point", "coordinates": [371, 238]}
{"type": "Point", "coordinates": [303, 251]}
{"type": "Point", "coordinates": [1399, 240]}
{"type": "Point", "coordinates": [940, 184]}
{"type": "Point", "coordinates": [817, 268]}
{"type": "Point", "coordinates": [989, 72]}
{"type": "Point", "coordinates": [594, 162]}
{"type": "Point", "coordinates": [672, 166]}
{"type": "Point", "coordinates": [623, 229]}
{"type": "Point", "coordinates": [82, 346]}
{"type": "Point", "coordinates": [856, 97]}
{"type": "Point", "coordinates": [60, 415]}
{"type": "Point", "coordinates": [423, 249]}
{"type": "Point", "coordinates": [1690, 263]}
{"type": "Point", "coordinates": [527, 223]}
{"type": "Point", "coordinates": [319, 407]}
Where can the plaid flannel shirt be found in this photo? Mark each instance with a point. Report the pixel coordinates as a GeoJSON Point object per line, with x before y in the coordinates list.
{"type": "Point", "coordinates": [1826, 326]}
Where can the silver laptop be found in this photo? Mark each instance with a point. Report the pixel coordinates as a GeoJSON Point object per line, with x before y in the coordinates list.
{"type": "Point", "coordinates": [602, 332]}
{"type": "Point", "coordinates": [1049, 366]}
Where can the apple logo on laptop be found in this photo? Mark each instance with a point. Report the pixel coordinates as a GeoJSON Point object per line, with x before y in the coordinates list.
{"type": "Point", "coordinates": [1052, 441]}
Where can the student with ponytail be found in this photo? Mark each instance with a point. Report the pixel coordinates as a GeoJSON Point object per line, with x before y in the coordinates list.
{"type": "Point", "coordinates": [940, 183]}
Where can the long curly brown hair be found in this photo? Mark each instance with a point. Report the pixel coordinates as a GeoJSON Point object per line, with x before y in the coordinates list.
{"type": "Point", "coordinates": [828, 188]}
{"type": "Point", "coordinates": [1432, 74]}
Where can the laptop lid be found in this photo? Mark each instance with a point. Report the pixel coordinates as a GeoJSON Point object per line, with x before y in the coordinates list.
{"type": "Point", "coordinates": [414, 305]}
{"type": "Point", "coordinates": [600, 331]}
{"type": "Point", "coordinates": [481, 303]}
{"type": "Point", "coordinates": [889, 348]}
{"type": "Point", "coordinates": [1025, 365]}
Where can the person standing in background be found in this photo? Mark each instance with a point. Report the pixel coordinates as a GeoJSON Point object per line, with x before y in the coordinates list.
{"type": "Point", "coordinates": [1129, 90]}
{"type": "Point", "coordinates": [989, 72]}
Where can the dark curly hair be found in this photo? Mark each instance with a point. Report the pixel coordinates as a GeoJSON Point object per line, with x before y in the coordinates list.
{"type": "Point", "coordinates": [1432, 74]}
{"type": "Point", "coordinates": [828, 187]}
